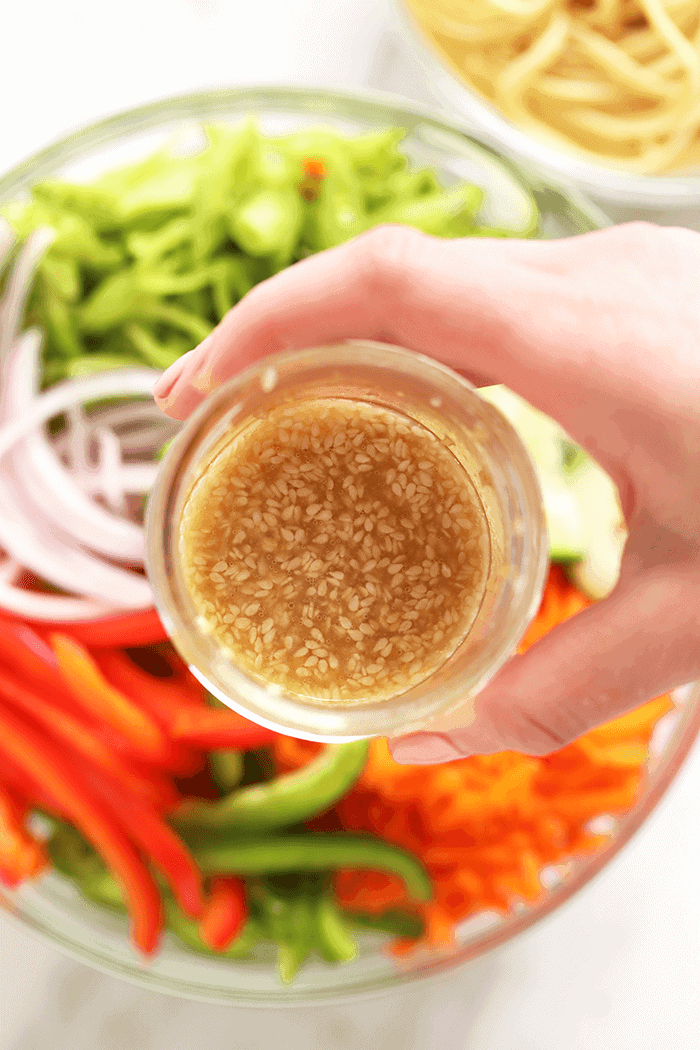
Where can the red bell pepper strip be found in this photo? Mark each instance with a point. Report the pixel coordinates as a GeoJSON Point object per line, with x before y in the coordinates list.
{"type": "Point", "coordinates": [84, 741]}
{"type": "Point", "coordinates": [122, 791]}
{"type": "Point", "coordinates": [181, 760]}
{"type": "Point", "coordinates": [15, 780]}
{"type": "Point", "coordinates": [158, 841]}
{"type": "Point", "coordinates": [224, 914]}
{"type": "Point", "coordinates": [217, 730]}
{"type": "Point", "coordinates": [22, 649]}
{"type": "Point", "coordinates": [103, 702]}
{"type": "Point", "coordinates": [159, 696]}
{"type": "Point", "coordinates": [47, 768]}
{"type": "Point", "coordinates": [117, 669]}
{"type": "Point", "coordinates": [121, 632]}
{"type": "Point", "coordinates": [21, 856]}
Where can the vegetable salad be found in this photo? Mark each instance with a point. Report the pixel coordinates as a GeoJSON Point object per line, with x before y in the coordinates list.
{"type": "Point", "coordinates": [147, 259]}
{"type": "Point", "coordinates": [157, 801]}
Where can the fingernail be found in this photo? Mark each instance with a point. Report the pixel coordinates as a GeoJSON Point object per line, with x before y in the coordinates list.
{"type": "Point", "coordinates": [164, 386]}
{"type": "Point", "coordinates": [424, 749]}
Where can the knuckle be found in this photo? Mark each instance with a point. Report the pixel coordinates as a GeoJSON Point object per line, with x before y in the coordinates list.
{"type": "Point", "coordinates": [530, 734]}
{"type": "Point", "coordinates": [387, 255]}
{"type": "Point", "coordinates": [647, 236]}
{"type": "Point", "coordinates": [531, 727]}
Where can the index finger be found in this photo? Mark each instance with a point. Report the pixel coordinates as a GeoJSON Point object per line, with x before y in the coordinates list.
{"type": "Point", "coordinates": [393, 284]}
{"type": "Point", "coordinates": [495, 310]}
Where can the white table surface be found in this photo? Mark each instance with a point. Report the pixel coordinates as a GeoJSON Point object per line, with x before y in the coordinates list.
{"type": "Point", "coordinates": [619, 967]}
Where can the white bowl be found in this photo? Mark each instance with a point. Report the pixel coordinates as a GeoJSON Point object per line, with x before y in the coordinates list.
{"type": "Point", "coordinates": [665, 199]}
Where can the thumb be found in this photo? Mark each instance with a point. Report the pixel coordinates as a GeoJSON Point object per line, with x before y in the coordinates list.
{"type": "Point", "coordinates": [640, 642]}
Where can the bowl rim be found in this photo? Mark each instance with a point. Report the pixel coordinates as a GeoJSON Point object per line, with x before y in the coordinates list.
{"type": "Point", "coordinates": [612, 184]}
{"type": "Point", "coordinates": [292, 98]}
{"type": "Point", "coordinates": [311, 100]}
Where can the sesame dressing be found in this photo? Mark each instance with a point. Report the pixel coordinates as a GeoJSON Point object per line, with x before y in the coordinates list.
{"type": "Point", "coordinates": [336, 549]}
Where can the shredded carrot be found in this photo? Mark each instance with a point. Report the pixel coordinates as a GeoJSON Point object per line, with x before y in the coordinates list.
{"type": "Point", "coordinates": [486, 826]}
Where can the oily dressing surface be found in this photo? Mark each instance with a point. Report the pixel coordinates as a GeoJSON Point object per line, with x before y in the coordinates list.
{"type": "Point", "coordinates": [337, 550]}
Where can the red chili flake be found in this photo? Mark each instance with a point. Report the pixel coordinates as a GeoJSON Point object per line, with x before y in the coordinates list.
{"type": "Point", "coordinates": [314, 169]}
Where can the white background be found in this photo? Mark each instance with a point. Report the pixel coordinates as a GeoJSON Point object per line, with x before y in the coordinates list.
{"type": "Point", "coordinates": [619, 967]}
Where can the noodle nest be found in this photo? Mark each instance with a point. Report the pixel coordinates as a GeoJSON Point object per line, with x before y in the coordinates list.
{"type": "Point", "coordinates": [616, 81]}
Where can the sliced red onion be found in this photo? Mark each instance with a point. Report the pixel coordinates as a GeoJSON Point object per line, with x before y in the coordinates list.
{"type": "Point", "coordinates": [50, 486]}
{"type": "Point", "coordinates": [18, 285]}
{"type": "Point", "coordinates": [132, 479]}
{"type": "Point", "coordinates": [44, 548]}
{"type": "Point", "coordinates": [107, 475]}
{"type": "Point", "coordinates": [137, 478]}
{"type": "Point", "coordinates": [58, 494]}
{"type": "Point", "coordinates": [49, 553]}
{"type": "Point", "coordinates": [78, 439]}
{"type": "Point", "coordinates": [48, 524]}
{"type": "Point", "coordinates": [9, 570]}
{"type": "Point", "coordinates": [52, 607]}
{"type": "Point", "coordinates": [122, 382]}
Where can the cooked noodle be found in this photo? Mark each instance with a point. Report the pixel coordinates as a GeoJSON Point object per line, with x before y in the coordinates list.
{"type": "Point", "coordinates": [615, 80]}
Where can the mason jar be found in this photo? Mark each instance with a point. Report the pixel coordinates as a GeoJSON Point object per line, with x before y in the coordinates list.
{"type": "Point", "coordinates": [449, 409]}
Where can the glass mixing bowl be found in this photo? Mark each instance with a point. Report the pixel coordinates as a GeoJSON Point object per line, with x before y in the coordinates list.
{"type": "Point", "coordinates": [666, 199]}
{"type": "Point", "coordinates": [52, 907]}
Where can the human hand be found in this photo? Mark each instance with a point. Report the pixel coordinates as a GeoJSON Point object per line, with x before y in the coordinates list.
{"type": "Point", "coordinates": [602, 332]}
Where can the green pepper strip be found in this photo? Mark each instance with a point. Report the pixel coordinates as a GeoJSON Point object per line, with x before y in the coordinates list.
{"type": "Point", "coordinates": [334, 939]}
{"type": "Point", "coordinates": [227, 769]}
{"type": "Point", "coordinates": [188, 933]}
{"type": "Point", "coordinates": [290, 922]}
{"type": "Point", "coordinates": [314, 852]}
{"type": "Point", "coordinates": [102, 890]}
{"type": "Point", "coordinates": [73, 857]}
{"type": "Point", "coordinates": [289, 799]}
{"type": "Point", "coordinates": [397, 923]}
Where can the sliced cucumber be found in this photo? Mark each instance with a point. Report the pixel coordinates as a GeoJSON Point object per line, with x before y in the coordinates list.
{"type": "Point", "coordinates": [604, 525]}
{"type": "Point", "coordinates": [565, 528]}
{"type": "Point", "coordinates": [545, 441]}
{"type": "Point", "coordinates": [584, 519]}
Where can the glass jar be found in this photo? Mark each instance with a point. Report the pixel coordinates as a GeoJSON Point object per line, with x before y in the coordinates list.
{"type": "Point", "coordinates": [495, 461]}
